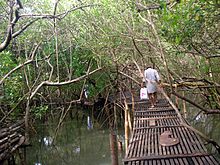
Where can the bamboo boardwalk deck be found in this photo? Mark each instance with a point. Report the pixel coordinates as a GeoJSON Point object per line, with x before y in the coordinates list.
{"type": "Point", "coordinates": [145, 144]}
{"type": "Point", "coordinates": [11, 138]}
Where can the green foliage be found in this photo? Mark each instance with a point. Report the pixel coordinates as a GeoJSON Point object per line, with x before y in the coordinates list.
{"type": "Point", "coordinates": [204, 67]}
{"type": "Point", "coordinates": [7, 62]}
{"type": "Point", "coordinates": [182, 24]}
{"type": "Point", "coordinates": [80, 60]}
{"type": "Point", "coordinates": [101, 35]}
{"type": "Point", "coordinates": [100, 81]}
{"type": "Point", "coordinates": [13, 84]}
{"type": "Point", "coordinates": [12, 89]}
{"type": "Point", "coordinates": [40, 111]}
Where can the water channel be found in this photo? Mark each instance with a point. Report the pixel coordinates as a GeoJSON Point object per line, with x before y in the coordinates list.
{"type": "Point", "coordinates": [77, 143]}
{"type": "Point", "coordinates": [80, 143]}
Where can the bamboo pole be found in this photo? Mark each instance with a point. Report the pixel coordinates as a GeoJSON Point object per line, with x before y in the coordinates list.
{"type": "Point", "coordinates": [114, 148]}
{"type": "Point", "coordinates": [26, 121]}
{"type": "Point", "coordinates": [132, 100]}
{"type": "Point", "coordinates": [176, 98]}
{"type": "Point", "coordinates": [126, 126]}
{"type": "Point", "coordinates": [115, 117]}
{"type": "Point", "coordinates": [129, 121]}
{"type": "Point", "coordinates": [184, 106]}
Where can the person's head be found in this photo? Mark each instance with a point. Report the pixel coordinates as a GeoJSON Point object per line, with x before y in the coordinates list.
{"type": "Point", "coordinates": [148, 66]}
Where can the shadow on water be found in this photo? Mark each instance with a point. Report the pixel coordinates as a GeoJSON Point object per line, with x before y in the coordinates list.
{"type": "Point", "coordinates": [77, 143]}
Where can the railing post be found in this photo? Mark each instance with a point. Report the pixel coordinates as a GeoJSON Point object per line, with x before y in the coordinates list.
{"type": "Point", "coordinates": [184, 106]}
{"type": "Point", "coordinates": [176, 98]}
{"type": "Point", "coordinates": [114, 148]}
{"type": "Point", "coordinates": [126, 126]}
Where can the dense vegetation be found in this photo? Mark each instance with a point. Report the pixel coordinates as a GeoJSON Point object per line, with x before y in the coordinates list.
{"type": "Point", "coordinates": [56, 49]}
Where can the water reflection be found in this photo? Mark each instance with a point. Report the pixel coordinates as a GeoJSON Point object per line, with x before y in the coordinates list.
{"type": "Point", "coordinates": [201, 118]}
{"type": "Point", "coordinates": [89, 123]}
{"type": "Point", "coordinates": [48, 141]}
{"type": "Point", "coordinates": [76, 143]}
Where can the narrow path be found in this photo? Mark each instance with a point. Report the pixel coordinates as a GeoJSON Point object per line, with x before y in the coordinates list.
{"type": "Point", "coordinates": [158, 138]}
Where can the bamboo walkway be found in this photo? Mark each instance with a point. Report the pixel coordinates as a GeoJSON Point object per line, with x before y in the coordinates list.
{"type": "Point", "coordinates": [11, 138]}
{"type": "Point", "coordinates": [158, 138]}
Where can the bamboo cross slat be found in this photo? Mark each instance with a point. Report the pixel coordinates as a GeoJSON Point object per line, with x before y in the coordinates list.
{"type": "Point", "coordinates": [10, 139]}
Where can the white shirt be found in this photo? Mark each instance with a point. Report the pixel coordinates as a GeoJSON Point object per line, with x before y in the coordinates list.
{"type": "Point", "coordinates": [152, 77]}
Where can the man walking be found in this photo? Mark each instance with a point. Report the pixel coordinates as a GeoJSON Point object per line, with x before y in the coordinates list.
{"type": "Point", "coordinates": [152, 80]}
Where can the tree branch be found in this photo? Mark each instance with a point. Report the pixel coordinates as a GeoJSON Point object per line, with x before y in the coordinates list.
{"type": "Point", "coordinates": [23, 28]}
{"type": "Point", "coordinates": [15, 12]}
{"type": "Point", "coordinates": [12, 22]}
{"type": "Point", "coordinates": [49, 83]}
{"type": "Point", "coordinates": [129, 77]}
{"type": "Point", "coordinates": [206, 111]}
{"type": "Point", "coordinates": [58, 16]}
{"type": "Point", "coordinates": [141, 7]}
{"type": "Point", "coordinates": [21, 65]}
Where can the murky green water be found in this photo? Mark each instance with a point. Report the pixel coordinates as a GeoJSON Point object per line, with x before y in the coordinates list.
{"type": "Point", "coordinates": [76, 144]}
